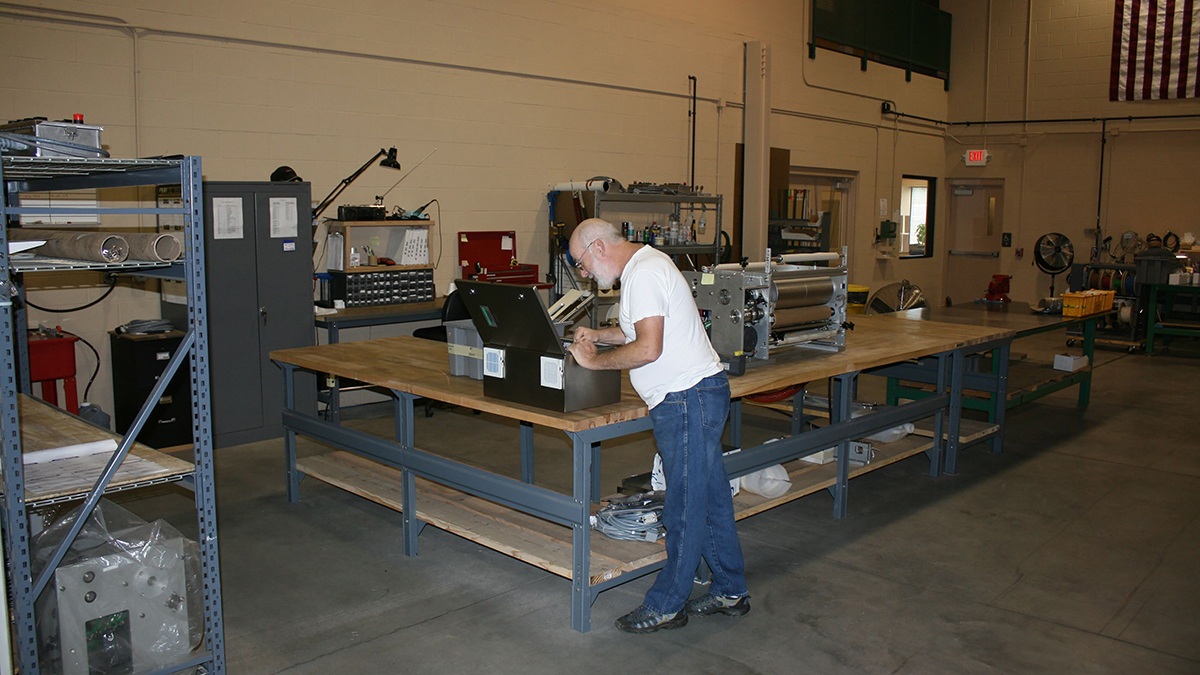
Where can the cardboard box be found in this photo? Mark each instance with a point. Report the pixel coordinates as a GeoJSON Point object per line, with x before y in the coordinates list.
{"type": "Point", "coordinates": [1069, 363]}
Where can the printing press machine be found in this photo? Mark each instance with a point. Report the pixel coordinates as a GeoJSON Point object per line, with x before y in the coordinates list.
{"type": "Point", "coordinates": [751, 309]}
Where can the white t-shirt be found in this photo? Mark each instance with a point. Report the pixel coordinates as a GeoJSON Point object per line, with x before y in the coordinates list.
{"type": "Point", "coordinates": [651, 285]}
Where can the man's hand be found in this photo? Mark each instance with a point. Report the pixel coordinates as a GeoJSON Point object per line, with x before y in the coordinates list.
{"type": "Point", "coordinates": [584, 351]}
{"type": "Point", "coordinates": [583, 334]}
{"type": "Point", "coordinates": [645, 349]}
{"type": "Point", "coordinates": [605, 336]}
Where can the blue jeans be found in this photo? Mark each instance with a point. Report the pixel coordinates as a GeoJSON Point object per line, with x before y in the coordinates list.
{"type": "Point", "coordinates": [698, 514]}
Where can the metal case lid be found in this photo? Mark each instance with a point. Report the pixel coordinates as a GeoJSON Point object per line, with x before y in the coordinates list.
{"type": "Point", "coordinates": [510, 315]}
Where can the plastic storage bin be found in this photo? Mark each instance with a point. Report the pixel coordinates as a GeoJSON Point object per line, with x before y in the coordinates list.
{"type": "Point", "coordinates": [466, 349]}
{"type": "Point", "coordinates": [1082, 303]}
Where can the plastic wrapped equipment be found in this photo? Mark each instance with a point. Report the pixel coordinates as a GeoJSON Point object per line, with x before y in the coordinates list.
{"type": "Point", "coordinates": [126, 598]}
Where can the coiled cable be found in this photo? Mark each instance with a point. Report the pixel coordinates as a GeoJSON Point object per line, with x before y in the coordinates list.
{"type": "Point", "coordinates": [636, 518]}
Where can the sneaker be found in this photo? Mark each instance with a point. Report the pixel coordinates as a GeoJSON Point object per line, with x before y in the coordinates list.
{"type": "Point", "coordinates": [709, 604]}
{"type": "Point", "coordinates": [642, 620]}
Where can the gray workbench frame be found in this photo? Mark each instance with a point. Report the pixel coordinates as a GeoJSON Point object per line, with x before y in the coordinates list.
{"type": "Point", "coordinates": [574, 510]}
{"type": "Point", "coordinates": [332, 324]}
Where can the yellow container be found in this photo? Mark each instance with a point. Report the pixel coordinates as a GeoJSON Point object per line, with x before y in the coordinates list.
{"type": "Point", "coordinates": [856, 298]}
{"type": "Point", "coordinates": [1082, 303]}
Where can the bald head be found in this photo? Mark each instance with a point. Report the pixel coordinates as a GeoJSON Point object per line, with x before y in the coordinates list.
{"type": "Point", "coordinates": [600, 250]}
{"type": "Point", "coordinates": [594, 228]}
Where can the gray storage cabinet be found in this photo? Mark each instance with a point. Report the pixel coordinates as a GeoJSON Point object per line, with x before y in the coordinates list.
{"type": "Point", "coordinates": [260, 299]}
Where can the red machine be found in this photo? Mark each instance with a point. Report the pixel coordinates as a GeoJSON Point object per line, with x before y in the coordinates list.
{"type": "Point", "coordinates": [998, 290]}
{"type": "Point", "coordinates": [52, 358]}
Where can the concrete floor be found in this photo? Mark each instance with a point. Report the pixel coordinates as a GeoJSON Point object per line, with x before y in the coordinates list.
{"type": "Point", "coordinates": [1074, 551]}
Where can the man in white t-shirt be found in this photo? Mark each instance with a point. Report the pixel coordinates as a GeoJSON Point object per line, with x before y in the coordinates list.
{"type": "Point", "coordinates": [675, 370]}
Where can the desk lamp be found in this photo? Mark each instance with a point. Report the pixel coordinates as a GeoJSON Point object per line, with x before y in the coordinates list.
{"type": "Point", "coordinates": [389, 161]}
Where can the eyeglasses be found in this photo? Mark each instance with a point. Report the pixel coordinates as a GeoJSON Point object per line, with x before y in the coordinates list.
{"type": "Point", "coordinates": [579, 262]}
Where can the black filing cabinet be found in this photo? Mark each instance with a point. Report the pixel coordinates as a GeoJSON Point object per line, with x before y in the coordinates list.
{"type": "Point", "coordinates": [137, 361]}
{"type": "Point", "coordinates": [258, 266]}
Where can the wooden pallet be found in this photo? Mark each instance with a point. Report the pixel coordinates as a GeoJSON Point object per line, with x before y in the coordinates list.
{"type": "Point", "coordinates": [968, 430]}
{"type": "Point", "coordinates": [545, 544]}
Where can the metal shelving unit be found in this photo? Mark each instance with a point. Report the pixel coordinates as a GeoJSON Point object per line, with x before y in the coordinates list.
{"type": "Point", "coordinates": [39, 174]}
{"type": "Point", "coordinates": [703, 203]}
{"type": "Point", "coordinates": [684, 255]}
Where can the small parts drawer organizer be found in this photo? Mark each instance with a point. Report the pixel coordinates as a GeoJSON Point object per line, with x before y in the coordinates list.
{"type": "Point", "coordinates": [387, 287]}
{"type": "Point", "coordinates": [378, 262]}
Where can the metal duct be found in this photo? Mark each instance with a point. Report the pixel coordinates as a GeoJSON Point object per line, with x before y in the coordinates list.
{"type": "Point", "coordinates": [96, 246]}
{"type": "Point", "coordinates": [152, 246]}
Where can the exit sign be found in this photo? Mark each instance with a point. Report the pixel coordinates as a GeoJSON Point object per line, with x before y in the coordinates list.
{"type": "Point", "coordinates": [976, 157]}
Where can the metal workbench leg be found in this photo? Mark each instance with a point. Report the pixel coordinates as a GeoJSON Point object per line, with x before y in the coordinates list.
{"type": "Point", "coordinates": [333, 412]}
{"type": "Point", "coordinates": [581, 587]}
{"type": "Point", "coordinates": [596, 488]}
{"type": "Point", "coordinates": [956, 396]}
{"type": "Point", "coordinates": [411, 525]}
{"type": "Point", "coordinates": [1001, 355]}
{"type": "Point", "coordinates": [994, 398]}
{"type": "Point", "coordinates": [294, 476]}
{"type": "Point", "coordinates": [893, 390]}
{"type": "Point", "coordinates": [1151, 318]}
{"type": "Point", "coordinates": [1089, 348]}
{"type": "Point", "coordinates": [735, 423]}
{"type": "Point", "coordinates": [839, 411]}
{"type": "Point", "coordinates": [527, 452]}
{"type": "Point", "coordinates": [798, 413]}
{"type": "Point", "coordinates": [939, 418]}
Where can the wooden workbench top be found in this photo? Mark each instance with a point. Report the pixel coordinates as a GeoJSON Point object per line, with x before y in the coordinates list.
{"type": "Point", "coordinates": [1013, 316]}
{"type": "Point", "coordinates": [402, 309]}
{"type": "Point", "coordinates": [421, 367]}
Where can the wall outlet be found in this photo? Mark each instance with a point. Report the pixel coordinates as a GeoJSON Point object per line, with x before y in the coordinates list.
{"type": "Point", "coordinates": [1006, 240]}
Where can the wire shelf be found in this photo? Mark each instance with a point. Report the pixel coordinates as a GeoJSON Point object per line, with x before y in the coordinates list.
{"type": "Point", "coordinates": [44, 264]}
{"type": "Point", "coordinates": [22, 168]}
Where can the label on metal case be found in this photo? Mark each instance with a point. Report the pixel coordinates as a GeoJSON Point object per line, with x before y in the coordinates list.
{"type": "Point", "coordinates": [465, 350]}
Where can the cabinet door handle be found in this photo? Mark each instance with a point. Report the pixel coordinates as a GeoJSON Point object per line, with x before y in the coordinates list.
{"type": "Point", "coordinates": [263, 312]}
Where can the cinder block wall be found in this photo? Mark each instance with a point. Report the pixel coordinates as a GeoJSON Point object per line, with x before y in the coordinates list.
{"type": "Point", "coordinates": [514, 96]}
{"type": "Point", "coordinates": [1050, 59]}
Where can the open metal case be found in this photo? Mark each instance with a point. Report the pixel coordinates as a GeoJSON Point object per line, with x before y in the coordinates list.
{"type": "Point", "coordinates": [524, 357]}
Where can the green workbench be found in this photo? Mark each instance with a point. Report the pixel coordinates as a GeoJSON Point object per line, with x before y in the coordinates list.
{"type": "Point", "coordinates": [1155, 327]}
{"type": "Point", "coordinates": [1017, 317]}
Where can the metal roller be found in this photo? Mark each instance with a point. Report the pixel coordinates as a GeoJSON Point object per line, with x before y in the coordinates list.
{"type": "Point", "coordinates": [152, 246]}
{"type": "Point", "coordinates": [792, 318]}
{"type": "Point", "coordinates": [96, 246]}
{"type": "Point", "coordinates": [788, 293]}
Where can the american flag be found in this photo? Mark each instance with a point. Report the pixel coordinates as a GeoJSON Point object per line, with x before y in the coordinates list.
{"type": "Point", "coordinates": [1155, 50]}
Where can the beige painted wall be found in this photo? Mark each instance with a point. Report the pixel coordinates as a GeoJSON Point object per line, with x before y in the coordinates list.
{"type": "Point", "coordinates": [515, 96]}
{"type": "Point", "coordinates": [1052, 171]}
